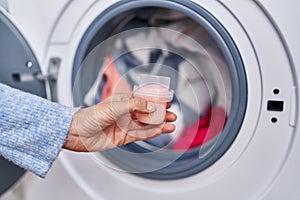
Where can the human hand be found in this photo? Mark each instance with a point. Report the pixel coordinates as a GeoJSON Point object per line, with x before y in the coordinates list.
{"type": "Point", "coordinates": [112, 123]}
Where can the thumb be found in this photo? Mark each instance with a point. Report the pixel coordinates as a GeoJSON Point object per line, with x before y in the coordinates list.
{"type": "Point", "coordinates": [122, 104]}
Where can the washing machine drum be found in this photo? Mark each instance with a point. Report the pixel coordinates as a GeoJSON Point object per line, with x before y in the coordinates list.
{"type": "Point", "coordinates": [16, 61]}
{"type": "Point", "coordinates": [206, 71]}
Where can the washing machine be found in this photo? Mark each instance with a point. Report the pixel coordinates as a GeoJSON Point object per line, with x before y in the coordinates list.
{"type": "Point", "coordinates": [234, 71]}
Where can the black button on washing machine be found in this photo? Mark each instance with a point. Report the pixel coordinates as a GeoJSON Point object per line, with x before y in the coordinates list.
{"type": "Point", "coordinates": [274, 105]}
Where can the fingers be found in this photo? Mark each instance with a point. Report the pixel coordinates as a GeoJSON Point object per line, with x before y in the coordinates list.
{"type": "Point", "coordinates": [170, 116]}
{"type": "Point", "coordinates": [122, 104]}
{"type": "Point", "coordinates": [145, 134]}
{"type": "Point", "coordinates": [125, 103]}
{"type": "Point", "coordinates": [135, 123]}
{"type": "Point", "coordinates": [168, 105]}
{"type": "Point", "coordinates": [168, 128]}
{"type": "Point", "coordinates": [143, 130]}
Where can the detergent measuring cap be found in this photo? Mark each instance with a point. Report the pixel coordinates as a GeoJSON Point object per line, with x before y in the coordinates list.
{"type": "Point", "coordinates": [156, 90]}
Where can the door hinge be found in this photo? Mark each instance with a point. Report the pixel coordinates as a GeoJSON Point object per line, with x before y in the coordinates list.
{"type": "Point", "coordinates": [50, 78]}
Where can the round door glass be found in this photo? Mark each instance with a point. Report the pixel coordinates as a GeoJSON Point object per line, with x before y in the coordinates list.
{"type": "Point", "coordinates": [189, 46]}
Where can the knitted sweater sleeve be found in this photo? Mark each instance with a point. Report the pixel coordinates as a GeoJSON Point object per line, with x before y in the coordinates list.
{"type": "Point", "coordinates": [32, 129]}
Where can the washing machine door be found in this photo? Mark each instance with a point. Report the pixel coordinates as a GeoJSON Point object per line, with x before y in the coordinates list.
{"type": "Point", "coordinates": [207, 76]}
{"type": "Point", "coordinates": [18, 66]}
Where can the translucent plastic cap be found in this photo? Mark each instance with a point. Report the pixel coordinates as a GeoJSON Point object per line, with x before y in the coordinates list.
{"type": "Point", "coordinates": [156, 88]}
{"type": "Point", "coordinates": [151, 79]}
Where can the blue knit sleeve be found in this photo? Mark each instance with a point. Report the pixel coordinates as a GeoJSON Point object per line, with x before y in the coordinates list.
{"type": "Point", "coordinates": [32, 129]}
